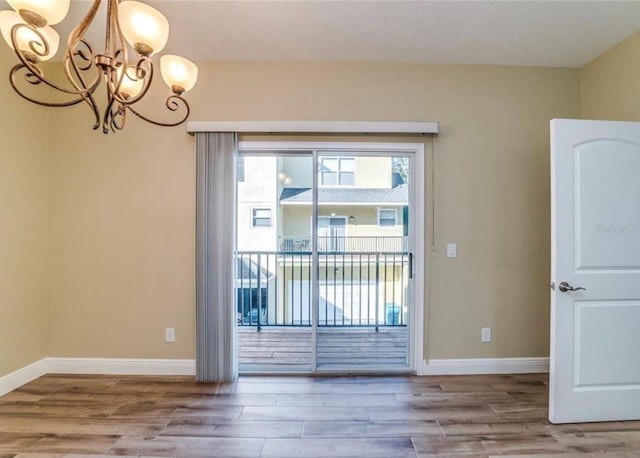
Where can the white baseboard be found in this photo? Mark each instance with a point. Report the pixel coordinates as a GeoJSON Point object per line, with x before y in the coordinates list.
{"type": "Point", "coordinates": [112, 366]}
{"type": "Point", "coordinates": [484, 366]}
{"type": "Point", "coordinates": [24, 375]}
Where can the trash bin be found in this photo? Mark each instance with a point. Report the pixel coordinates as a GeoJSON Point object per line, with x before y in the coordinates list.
{"type": "Point", "coordinates": [393, 313]}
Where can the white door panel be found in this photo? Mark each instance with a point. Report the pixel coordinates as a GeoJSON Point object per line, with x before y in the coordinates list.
{"type": "Point", "coordinates": [595, 332]}
{"type": "Point", "coordinates": [605, 363]}
{"type": "Point", "coordinates": [607, 205]}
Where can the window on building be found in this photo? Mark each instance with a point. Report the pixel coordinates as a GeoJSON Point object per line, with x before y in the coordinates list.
{"type": "Point", "coordinates": [261, 217]}
{"type": "Point", "coordinates": [337, 171]}
{"type": "Point", "coordinates": [387, 217]}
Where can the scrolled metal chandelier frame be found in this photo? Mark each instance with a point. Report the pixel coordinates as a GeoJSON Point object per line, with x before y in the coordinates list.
{"type": "Point", "coordinates": [134, 33]}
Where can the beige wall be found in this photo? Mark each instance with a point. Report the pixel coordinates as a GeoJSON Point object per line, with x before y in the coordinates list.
{"type": "Point", "coordinates": [609, 84]}
{"type": "Point", "coordinates": [23, 226]}
{"type": "Point", "coordinates": [370, 172]}
{"type": "Point", "coordinates": [297, 220]}
{"type": "Point", "coordinates": [373, 172]}
{"type": "Point", "coordinates": [122, 207]}
{"type": "Point", "coordinates": [121, 243]}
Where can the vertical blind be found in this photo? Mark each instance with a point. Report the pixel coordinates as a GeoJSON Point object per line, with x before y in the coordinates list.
{"type": "Point", "coordinates": [215, 228]}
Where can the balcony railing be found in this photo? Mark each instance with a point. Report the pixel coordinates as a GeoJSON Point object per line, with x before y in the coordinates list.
{"type": "Point", "coordinates": [354, 288]}
{"type": "Point", "coordinates": [343, 244]}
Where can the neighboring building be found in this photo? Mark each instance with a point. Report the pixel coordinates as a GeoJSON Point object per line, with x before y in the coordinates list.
{"type": "Point", "coordinates": [257, 203]}
{"type": "Point", "coordinates": [362, 240]}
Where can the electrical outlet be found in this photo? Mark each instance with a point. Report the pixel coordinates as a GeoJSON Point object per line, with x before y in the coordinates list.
{"type": "Point", "coordinates": [170, 335]}
{"type": "Point", "coordinates": [486, 334]}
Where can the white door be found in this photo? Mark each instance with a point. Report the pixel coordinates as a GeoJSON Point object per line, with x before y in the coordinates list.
{"type": "Point", "coordinates": [595, 331]}
{"type": "Point", "coordinates": [339, 304]}
{"type": "Point", "coordinates": [331, 233]}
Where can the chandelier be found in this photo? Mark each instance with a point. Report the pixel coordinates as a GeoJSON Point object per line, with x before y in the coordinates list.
{"type": "Point", "coordinates": [134, 33]}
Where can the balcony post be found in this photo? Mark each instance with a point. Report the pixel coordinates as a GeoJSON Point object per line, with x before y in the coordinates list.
{"type": "Point", "coordinates": [259, 290]}
{"type": "Point", "coordinates": [377, 288]}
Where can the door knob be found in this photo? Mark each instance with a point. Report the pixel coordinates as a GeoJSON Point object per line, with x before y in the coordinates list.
{"type": "Point", "coordinates": [564, 287]}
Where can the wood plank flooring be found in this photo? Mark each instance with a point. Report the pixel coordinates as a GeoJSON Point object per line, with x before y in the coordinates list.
{"type": "Point", "coordinates": [465, 416]}
{"type": "Point", "coordinates": [348, 347]}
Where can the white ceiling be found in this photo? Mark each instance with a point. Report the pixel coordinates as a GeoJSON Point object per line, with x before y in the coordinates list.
{"type": "Point", "coordinates": [566, 33]}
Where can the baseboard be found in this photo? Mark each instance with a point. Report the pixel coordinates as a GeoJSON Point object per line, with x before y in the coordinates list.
{"type": "Point", "coordinates": [24, 375]}
{"type": "Point", "coordinates": [113, 366]}
{"type": "Point", "coordinates": [484, 366]}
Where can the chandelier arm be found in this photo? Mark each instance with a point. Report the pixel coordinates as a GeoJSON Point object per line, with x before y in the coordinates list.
{"type": "Point", "coordinates": [33, 68]}
{"type": "Point", "coordinates": [35, 74]}
{"type": "Point", "coordinates": [121, 113]}
{"type": "Point", "coordinates": [94, 109]}
{"type": "Point", "coordinates": [33, 45]}
{"type": "Point", "coordinates": [79, 84]}
{"type": "Point", "coordinates": [173, 104]}
{"type": "Point", "coordinates": [109, 114]}
{"type": "Point", "coordinates": [78, 33]}
{"type": "Point", "coordinates": [36, 79]}
{"type": "Point", "coordinates": [71, 68]}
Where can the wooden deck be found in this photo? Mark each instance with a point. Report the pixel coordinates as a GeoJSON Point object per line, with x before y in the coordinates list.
{"type": "Point", "coordinates": [341, 348]}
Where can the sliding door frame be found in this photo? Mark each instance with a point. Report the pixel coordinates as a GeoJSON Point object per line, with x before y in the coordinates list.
{"type": "Point", "coordinates": [417, 231]}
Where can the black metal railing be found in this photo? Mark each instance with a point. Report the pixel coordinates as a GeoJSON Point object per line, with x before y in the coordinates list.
{"type": "Point", "coordinates": [354, 289]}
{"type": "Point", "coordinates": [362, 244]}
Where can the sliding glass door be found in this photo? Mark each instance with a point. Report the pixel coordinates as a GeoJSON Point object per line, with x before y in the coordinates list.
{"type": "Point", "coordinates": [323, 260]}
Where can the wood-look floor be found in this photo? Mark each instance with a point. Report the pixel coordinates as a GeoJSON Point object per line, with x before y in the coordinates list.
{"type": "Point", "coordinates": [390, 417]}
{"type": "Point", "coordinates": [290, 348]}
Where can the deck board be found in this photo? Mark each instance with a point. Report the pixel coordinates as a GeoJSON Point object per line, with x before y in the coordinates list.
{"type": "Point", "coordinates": [337, 347]}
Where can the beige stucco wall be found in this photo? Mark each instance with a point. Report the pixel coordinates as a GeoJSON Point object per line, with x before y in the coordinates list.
{"type": "Point", "coordinates": [258, 190]}
{"type": "Point", "coordinates": [609, 84]}
{"type": "Point", "coordinates": [23, 227]}
{"type": "Point", "coordinates": [373, 172]}
{"type": "Point", "coordinates": [297, 220]}
{"type": "Point", "coordinates": [122, 207]}
{"type": "Point", "coordinates": [370, 172]}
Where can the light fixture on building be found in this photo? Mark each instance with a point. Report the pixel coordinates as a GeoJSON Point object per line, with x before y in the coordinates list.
{"type": "Point", "coordinates": [285, 179]}
{"type": "Point", "coordinates": [352, 219]}
{"type": "Point", "coordinates": [134, 33]}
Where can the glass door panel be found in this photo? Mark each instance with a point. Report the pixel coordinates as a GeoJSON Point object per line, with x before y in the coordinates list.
{"type": "Point", "coordinates": [274, 263]}
{"type": "Point", "coordinates": [363, 262]}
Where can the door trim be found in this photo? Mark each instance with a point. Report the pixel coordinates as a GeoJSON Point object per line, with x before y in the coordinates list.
{"type": "Point", "coordinates": [418, 176]}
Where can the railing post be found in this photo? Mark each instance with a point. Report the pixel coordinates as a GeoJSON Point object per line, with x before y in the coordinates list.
{"type": "Point", "coordinates": [377, 288]}
{"type": "Point", "coordinates": [259, 271]}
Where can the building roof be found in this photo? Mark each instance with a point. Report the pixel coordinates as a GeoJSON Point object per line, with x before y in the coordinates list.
{"type": "Point", "coordinates": [248, 270]}
{"type": "Point", "coordinates": [356, 196]}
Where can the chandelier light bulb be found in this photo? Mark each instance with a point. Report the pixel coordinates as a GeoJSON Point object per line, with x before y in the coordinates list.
{"type": "Point", "coordinates": [179, 73]}
{"type": "Point", "coordinates": [131, 84]}
{"type": "Point", "coordinates": [144, 27]}
{"type": "Point", "coordinates": [34, 11]}
{"type": "Point", "coordinates": [26, 37]}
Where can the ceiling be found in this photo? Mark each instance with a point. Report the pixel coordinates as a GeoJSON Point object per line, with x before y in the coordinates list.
{"type": "Point", "coordinates": [566, 33]}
